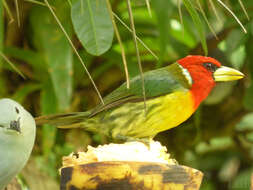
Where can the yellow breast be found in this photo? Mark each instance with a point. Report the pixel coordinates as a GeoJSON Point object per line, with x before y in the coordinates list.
{"type": "Point", "coordinates": [162, 113]}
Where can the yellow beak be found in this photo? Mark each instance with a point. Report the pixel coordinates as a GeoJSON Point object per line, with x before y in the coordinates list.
{"type": "Point", "coordinates": [227, 74]}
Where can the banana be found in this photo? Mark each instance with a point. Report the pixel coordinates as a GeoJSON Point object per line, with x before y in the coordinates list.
{"type": "Point", "coordinates": [131, 175]}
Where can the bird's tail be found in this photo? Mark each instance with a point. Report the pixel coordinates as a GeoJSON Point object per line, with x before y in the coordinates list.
{"type": "Point", "coordinates": [67, 120]}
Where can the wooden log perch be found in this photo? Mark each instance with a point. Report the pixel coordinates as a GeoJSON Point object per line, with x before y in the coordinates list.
{"type": "Point", "coordinates": [145, 168]}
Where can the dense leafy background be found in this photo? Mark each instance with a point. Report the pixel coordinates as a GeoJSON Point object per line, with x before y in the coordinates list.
{"type": "Point", "coordinates": [217, 140]}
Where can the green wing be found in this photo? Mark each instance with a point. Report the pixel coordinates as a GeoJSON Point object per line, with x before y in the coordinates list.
{"type": "Point", "coordinates": [157, 83]}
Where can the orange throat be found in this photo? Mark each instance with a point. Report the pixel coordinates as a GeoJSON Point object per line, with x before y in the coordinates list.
{"type": "Point", "coordinates": [201, 89]}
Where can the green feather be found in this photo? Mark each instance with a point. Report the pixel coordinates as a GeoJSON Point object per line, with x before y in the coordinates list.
{"type": "Point", "coordinates": [157, 83]}
{"type": "Point", "coordinates": [123, 113]}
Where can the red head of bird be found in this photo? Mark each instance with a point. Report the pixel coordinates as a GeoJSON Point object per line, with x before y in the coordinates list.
{"type": "Point", "coordinates": [204, 72]}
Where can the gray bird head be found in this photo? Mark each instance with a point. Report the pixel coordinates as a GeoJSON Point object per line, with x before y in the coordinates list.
{"type": "Point", "coordinates": [17, 135]}
{"type": "Point", "coordinates": [10, 116]}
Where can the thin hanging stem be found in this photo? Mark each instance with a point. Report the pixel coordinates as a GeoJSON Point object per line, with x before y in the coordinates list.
{"type": "Point", "coordinates": [70, 4]}
{"type": "Point", "coordinates": [12, 65]}
{"type": "Point", "coordinates": [137, 51]}
{"type": "Point", "coordinates": [123, 55]}
{"type": "Point", "coordinates": [214, 10]}
{"type": "Point", "coordinates": [38, 3]}
{"type": "Point", "coordinates": [75, 50]}
{"type": "Point", "coordinates": [231, 12]}
{"type": "Point", "coordinates": [148, 7]}
{"type": "Point", "coordinates": [180, 14]}
{"type": "Point", "coordinates": [17, 10]}
{"type": "Point", "coordinates": [204, 15]}
{"type": "Point", "coordinates": [8, 11]}
{"type": "Point", "coordinates": [141, 42]}
{"type": "Point", "coordinates": [244, 9]}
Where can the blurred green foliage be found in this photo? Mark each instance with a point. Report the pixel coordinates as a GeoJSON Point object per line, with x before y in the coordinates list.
{"type": "Point", "coordinates": [217, 140]}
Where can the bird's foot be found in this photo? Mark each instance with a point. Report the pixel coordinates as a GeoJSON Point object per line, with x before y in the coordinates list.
{"type": "Point", "coordinates": [121, 138]}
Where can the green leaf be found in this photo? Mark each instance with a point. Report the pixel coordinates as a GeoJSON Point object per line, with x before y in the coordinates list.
{"type": "Point", "coordinates": [24, 91]}
{"type": "Point", "coordinates": [56, 50]}
{"type": "Point", "coordinates": [234, 40]}
{"type": "Point", "coordinates": [34, 59]}
{"type": "Point", "coordinates": [237, 58]}
{"type": "Point", "coordinates": [215, 144]}
{"type": "Point", "coordinates": [198, 24]}
{"type": "Point", "coordinates": [93, 25]}
{"type": "Point", "coordinates": [242, 180]}
{"type": "Point", "coordinates": [31, 57]}
{"type": "Point", "coordinates": [177, 31]}
{"type": "Point", "coordinates": [246, 123]}
{"type": "Point", "coordinates": [163, 10]}
{"type": "Point", "coordinates": [219, 92]}
{"type": "Point", "coordinates": [49, 106]}
{"type": "Point", "coordinates": [250, 138]}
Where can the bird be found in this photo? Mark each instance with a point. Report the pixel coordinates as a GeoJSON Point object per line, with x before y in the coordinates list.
{"type": "Point", "coordinates": [173, 94]}
{"type": "Point", "coordinates": [17, 136]}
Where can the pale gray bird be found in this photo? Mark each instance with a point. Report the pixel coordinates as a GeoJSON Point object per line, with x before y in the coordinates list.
{"type": "Point", "coordinates": [17, 135]}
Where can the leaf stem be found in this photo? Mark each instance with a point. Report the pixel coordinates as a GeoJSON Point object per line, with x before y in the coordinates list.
{"type": "Point", "coordinates": [75, 50]}
{"type": "Point", "coordinates": [141, 42]}
{"type": "Point", "coordinates": [12, 65]}
{"type": "Point", "coordinates": [137, 51]}
{"type": "Point", "coordinates": [123, 55]}
{"type": "Point", "coordinates": [235, 17]}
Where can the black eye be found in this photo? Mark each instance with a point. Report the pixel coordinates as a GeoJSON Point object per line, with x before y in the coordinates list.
{"type": "Point", "coordinates": [210, 66]}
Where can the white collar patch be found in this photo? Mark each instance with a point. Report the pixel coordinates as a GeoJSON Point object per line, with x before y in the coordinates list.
{"type": "Point", "coordinates": [186, 74]}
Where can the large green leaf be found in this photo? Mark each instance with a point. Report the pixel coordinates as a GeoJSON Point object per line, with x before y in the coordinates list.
{"type": "Point", "coordinates": [49, 106]}
{"type": "Point", "coordinates": [163, 10]}
{"type": "Point", "coordinates": [178, 30]}
{"type": "Point", "coordinates": [92, 24]}
{"type": "Point", "coordinates": [57, 52]}
{"type": "Point", "coordinates": [198, 24]}
{"type": "Point", "coordinates": [24, 91]}
{"type": "Point", "coordinates": [34, 59]}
